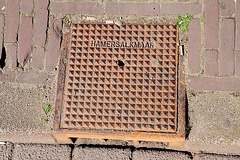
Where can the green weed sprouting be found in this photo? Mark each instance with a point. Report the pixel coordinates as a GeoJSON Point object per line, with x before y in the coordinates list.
{"type": "Point", "coordinates": [183, 22]}
{"type": "Point", "coordinates": [48, 108]}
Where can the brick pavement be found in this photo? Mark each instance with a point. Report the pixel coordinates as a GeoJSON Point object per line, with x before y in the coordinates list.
{"type": "Point", "coordinates": [213, 40]}
{"type": "Point", "coordinates": [216, 65]}
{"type": "Point", "coordinates": [11, 151]}
{"type": "Point", "coordinates": [30, 33]}
{"type": "Point", "coordinates": [29, 40]}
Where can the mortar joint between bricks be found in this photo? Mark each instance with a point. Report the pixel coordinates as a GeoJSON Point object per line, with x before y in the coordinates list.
{"type": "Point", "coordinates": [104, 7]}
{"type": "Point", "coordinates": [202, 35]}
{"type": "Point", "coordinates": [234, 46]}
{"type": "Point", "coordinates": [47, 36]}
{"type": "Point", "coordinates": [202, 46]}
{"type": "Point", "coordinates": [19, 21]}
{"type": "Point", "coordinates": [211, 49]}
{"type": "Point", "coordinates": [219, 30]}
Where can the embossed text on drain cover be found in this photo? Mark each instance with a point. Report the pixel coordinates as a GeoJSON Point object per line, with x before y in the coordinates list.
{"type": "Point", "coordinates": [121, 78]}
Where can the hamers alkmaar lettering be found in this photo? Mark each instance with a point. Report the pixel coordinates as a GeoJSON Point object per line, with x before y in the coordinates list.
{"type": "Point", "coordinates": [118, 44]}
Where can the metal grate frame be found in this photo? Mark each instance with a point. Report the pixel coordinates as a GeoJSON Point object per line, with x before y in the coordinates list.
{"type": "Point", "coordinates": [120, 79]}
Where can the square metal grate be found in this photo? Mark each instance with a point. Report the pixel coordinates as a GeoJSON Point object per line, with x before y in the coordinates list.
{"type": "Point", "coordinates": [121, 78]}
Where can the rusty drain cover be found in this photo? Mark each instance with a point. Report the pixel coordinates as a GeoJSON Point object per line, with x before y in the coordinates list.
{"type": "Point", "coordinates": [119, 78]}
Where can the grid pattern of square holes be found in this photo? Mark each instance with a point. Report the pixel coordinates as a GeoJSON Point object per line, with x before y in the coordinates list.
{"type": "Point", "coordinates": [139, 96]}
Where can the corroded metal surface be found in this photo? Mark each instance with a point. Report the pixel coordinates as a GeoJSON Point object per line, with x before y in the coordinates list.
{"type": "Point", "coordinates": [112, 84]}
{"type": "Point", "coordinates": [121, 78]}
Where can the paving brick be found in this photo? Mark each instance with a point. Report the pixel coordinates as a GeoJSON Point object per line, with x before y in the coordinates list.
{"type": "Point", "coordinates": [194, 50]}
{"type": "Point", "coordinates": [41, 151]}
{"type": "Point", "coordinates": [226, 7]}
{"type": "Point", "coordinates": [6, 151]}
{"type": "Point", "coordinates": [237, 63]}
{"type": "Point", "coordinates": [226, 56]}
{"type": "Point", "coordinates": [32, 77]}
{"type": "Point", "coordinates": [40, 22]}
{"type": "Point", "coordinates": [43, 4]}
{"type": "Point", "coordinates": [26, 6]}
{"type": "Point", "coordinates": [77, 8]}
{"type": "Point", "coordinates": [159, 155]}
{"type": "Point", "coordinates": [214, 84]}
{"type": "Point", "coordinates": [7, 76]}
{"type": "Point", "coordinates": [22, 111]}
{"type": "Point", "coordinates": [180, 8]}
{"type": "Point", "coordinates": [148, 9]}
{"type": "Point", "coordinates": [12, 20]}
{"type": "Point", "coordinates": [25, 38]}
{"type": "Point", "coordinates": [101, 153]}
{"type": "Point", "coordinates": [2, 6]}
{"type": "Point", "coordinates": [38, 58]}
{"type": "Point", "coordinates": [40, 138]}
{"type": "Point", "coordinates": [168, 1]}
{"type": "Point", "coordinates": [211, 24]}
{"type": "Point", "coordinates": [216, 156]}
{"type": "Point", "coordinates": [237, 21]}
{"type": "Point", "coordinates": [1, 33]}
{"type": "Point", "coordinates": [214, 117]}
{"type": "Point", "coordinates": [211, 63]}
{"type": "Point", "coordinates": [53, 44]}
{"type": "Point", "coordinates": [11, 52]}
